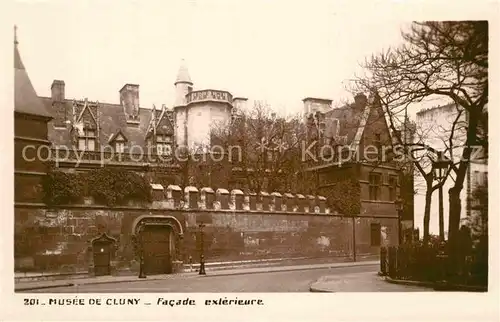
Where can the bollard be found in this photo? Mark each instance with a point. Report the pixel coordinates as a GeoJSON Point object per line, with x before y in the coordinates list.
{"type": "Point", "coordinates": [383, 259]}
{"type": "Point", "coordinates": [392, 262]}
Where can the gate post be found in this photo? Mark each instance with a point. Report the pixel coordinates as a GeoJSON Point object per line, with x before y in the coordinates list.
{"type": "Point", "coordinates": [392, 252]}
{"type": "Point", "coordinates": [383, 258]}
{"type": "Point", "coordinates": [142, 274]}
{"type": "Point", "coordinates": [90, 255]}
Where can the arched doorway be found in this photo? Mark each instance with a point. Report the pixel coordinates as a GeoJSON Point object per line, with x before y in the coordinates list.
{"type": "Point", "coordinates": [102, 249]}
{"type": "Point", "coordinates": [158, 239]}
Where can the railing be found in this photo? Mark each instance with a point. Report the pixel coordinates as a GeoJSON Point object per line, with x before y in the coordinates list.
{"type": "Point", "coordinates": [209, 95]}
{"type": "Point", "coordinates": [432, 264]}
{"type": "Point", "coordinates": [73, 156]}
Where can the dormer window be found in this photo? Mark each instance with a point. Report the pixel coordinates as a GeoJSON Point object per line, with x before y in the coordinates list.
{"type": "Point", "coordinates": [163, 144]}
{"type": "Point", "coordinates": [118, 142]}
{"type": "Point", "coordinates": [87, 141]}
{"type": "Point", "coordinates": [119, 146]}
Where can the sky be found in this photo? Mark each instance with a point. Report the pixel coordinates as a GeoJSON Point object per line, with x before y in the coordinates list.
{"type": "Point", "coordinates": [274, 51]}
{"type": "Point", "coordinates": [278, 52]}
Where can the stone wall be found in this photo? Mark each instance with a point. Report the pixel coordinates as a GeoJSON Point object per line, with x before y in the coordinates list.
{"type": "Point", "coordinates": [237, 227]}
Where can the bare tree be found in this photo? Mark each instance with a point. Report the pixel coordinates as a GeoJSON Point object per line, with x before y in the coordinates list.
{"type": "Point", "coordinates": [262, 148]}
{"type": "Point", "coordinates": [439, 60]}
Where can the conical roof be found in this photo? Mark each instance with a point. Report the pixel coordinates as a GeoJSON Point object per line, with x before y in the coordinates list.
{"type": "Point", "coordinates": [26, 100]}
{"type": "Point", "coordinates": [183, 74]}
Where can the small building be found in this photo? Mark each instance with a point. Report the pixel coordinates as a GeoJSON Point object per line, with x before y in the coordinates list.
{"type": "Point", "coordinates": [351, 147]}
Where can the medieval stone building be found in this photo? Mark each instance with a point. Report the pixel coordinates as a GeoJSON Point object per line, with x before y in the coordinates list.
{"type": "Point", "coordinates": [351, 159]}
{"type": "Point", "coordinates": [79, 135]}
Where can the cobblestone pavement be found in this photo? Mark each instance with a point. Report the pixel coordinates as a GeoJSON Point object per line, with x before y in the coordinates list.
{"type": "Point", "coordinates": [289, 281]}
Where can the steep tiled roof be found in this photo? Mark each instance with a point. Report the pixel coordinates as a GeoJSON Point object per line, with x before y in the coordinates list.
{"type": "Point", "coordinates": [349, 121]}
{"type": "Point", "coordinates": [111, 119]}
{"type": "Point", "coordinates": [25, 99]}
{"type": "Point", "coordinates": [183, 74]}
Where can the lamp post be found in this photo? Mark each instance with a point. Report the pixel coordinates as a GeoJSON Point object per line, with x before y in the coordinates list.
{"type": "Point", "coordinates": [202, 255]}
{"type": "Point", "coordinates": [439, 170]}
{"type": "Point", "coordinates": [399, 203]}
{"type": "Point", "coordinates": [142, 274]}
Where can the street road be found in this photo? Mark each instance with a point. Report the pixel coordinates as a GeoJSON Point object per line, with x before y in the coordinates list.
{"type": "Point", "coordinates": [285, 281]}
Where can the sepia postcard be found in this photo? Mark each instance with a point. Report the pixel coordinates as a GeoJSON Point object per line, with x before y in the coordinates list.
{"type": "Point", "coordinates": [239, 156]}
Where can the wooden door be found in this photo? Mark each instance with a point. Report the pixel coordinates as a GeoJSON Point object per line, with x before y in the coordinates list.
{"type": "Point", "coordinates": [102, 260]}
{"type": "Point", "coordinates": [156, 241]}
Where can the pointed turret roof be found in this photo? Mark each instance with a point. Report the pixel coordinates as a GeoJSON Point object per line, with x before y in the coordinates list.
{"type": "Point", "coordinates": [26, 100]}
{"type": "Point", "coordinates": [183, 74]}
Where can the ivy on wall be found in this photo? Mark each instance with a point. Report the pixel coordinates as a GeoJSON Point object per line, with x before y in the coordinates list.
{"type": "Point", "coordinates": [345, 196]}
{"type": "Point", "coordinates": [117, 186]}
{"type": "Point", "coordinates": [62, 188]}
{"type": "Point", "coordinates": [107, 186]}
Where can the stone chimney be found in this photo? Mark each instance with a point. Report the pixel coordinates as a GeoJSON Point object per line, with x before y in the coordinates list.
{"type": "Point", "coordinates": [57, 89]}
{"type": "Point", "coordinates": [314, 104]}
{"type": "Point", "coordinates": [239, 103]}
{"type": "Point", "coordinates": [129, 100]}
{"type": "Point", "coordinates": [360, 100]}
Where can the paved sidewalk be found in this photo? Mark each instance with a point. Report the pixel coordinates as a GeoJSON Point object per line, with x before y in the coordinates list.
{"type": "Point", "coordinates": [32, 285]}
{"type": "Point", "coordinates": [361, 282]}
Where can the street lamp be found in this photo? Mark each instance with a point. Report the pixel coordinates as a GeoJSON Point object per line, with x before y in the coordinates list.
{"type": "Point", "coordinates": [440, 166]}
{"type": "Point", "coordinates": [142, 273]}
{"type": "Point", "coordinates": [399, 203]}
{"type": "Point", "coordinates": [439, 170]}
{"type": "Point", "coordinates": [202, 256]}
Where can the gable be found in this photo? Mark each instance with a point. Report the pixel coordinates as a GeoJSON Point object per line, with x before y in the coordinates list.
{"type": "Point", "coordinates": [164, 125]}
{"type": "Point", "coordinates": [376, 137]}
{"type": "Point", "coordinates": [111, 119]}
{"type": "Point", "coordinates": [377, 124]}
{"type": "Point", "coordinates": [118, 136]}
{"type": "Point", "coordinates": [87, 119]}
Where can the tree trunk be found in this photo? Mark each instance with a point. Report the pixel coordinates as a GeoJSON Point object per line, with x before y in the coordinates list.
{"type": "Point", "coordinates": [454, 192]}
{"type": "Point", "coordinates": [453, 229]}
{"type": "Point", "coordinates": [455, 212]}
{"type": "Point", "coordinates": [427, 214]}
{"type": "Point", "coordinates": [441, 214]}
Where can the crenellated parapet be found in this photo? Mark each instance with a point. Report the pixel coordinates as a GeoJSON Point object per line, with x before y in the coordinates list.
{"type": "Point", "coordinates": [205, 198]}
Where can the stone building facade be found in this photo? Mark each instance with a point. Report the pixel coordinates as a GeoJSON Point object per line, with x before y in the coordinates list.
{"type": "Point", "coordinates": [236, 227]}
{"type": "Point", "coordinates": [78, 135]}
{"type": "Point", "coordinates": [128, 127]}
{"type": "Point", "coordinates": [354, 142]}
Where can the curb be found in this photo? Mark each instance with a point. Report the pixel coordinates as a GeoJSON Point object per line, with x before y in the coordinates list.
{"type": "Point", "coordinates": [31, 288]}
{"type": "Point", "coordinates": [438, 286]}
{"type": "Point", "coordinates": [92, 283]}
{"type": "Point", "coordinates": [354, 264]}
{"type": "Point", "coordinates": [124, 281]}
{"type": "Point", "coordinates": [195, 275]}
{"type": "Point", "coordinates": [408, 282]}
{"type": "Point", "coordinates": [319, 290]}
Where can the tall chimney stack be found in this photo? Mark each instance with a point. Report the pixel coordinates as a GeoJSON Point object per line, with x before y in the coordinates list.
{"type": "Point", "coordinates": [129, 100]}
{"type": "Point", "coordinates": [57, 90]}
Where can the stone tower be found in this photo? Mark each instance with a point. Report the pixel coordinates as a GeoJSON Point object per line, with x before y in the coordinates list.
{"type": "Point", "coordinates": [183, 86]}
